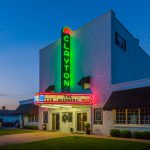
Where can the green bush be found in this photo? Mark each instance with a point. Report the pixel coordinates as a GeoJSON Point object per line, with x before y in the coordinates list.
{"type": "Point", "coordinates": [115, 132]}
{"type": "Point", "coordinates": [137, 135]}
{"type": "Point", "coordinates": [125, 134]}
{"type": "Point", "coordinates": [146, 135]}
{"type": "Point", "coordinates": [32, 127]}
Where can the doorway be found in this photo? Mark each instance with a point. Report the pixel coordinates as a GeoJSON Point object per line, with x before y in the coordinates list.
{"type": "Point", "coordinates": [55, 121]}
{"type": "Point", "coordinates": [81, 119]}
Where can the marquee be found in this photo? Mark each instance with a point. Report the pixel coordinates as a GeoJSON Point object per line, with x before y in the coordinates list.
{"type": "Point", "coordinates": [63, 98]}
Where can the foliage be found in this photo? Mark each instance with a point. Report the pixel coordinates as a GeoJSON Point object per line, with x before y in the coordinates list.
{"type": "Point", "coordinates": [14, 131]}
{"type": "Point", "coordinates": [87, 126]}
{"type": "Point", "coordinates": [137, 134]}
{"type": "Point", "coordinates": [32, 127]}
{"type": "Point", "coordinates": [44, 126]}
{"type": "Point", "coordinates": [146, 135]}
{"type": "Point", "coordinates": [125, 133]}
{"type": "Point", "coordinates": [115, 132]}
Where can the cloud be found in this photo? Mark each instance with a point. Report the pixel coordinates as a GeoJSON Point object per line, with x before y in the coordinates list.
{"type": "Point", "coordinates": [3, 95]}
{"type": "Point", "coordinates": [19, 96]}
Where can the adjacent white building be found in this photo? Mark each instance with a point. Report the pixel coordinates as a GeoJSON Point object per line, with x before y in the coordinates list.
{"type": "Point", "coordinates": [94, 74]}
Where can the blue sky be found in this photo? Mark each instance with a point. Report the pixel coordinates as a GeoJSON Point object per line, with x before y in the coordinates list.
{"type": "Point", "coordinates": [28, 25]}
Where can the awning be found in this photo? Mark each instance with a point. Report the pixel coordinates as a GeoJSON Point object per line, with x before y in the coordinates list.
{"type": "Point", "coordinates": [26, 109]}
{"type": "Point", "coordinates": [50, 88]}
{"type": "Point", "coordinates": [132, 98]}
{"type": "Point", "coordinates": [84, 80]}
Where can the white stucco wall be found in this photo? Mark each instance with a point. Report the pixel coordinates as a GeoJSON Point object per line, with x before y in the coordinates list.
{"type": "Point", "coordinates": [91, 56]}
{"type": "Point", "coordinates": [134, 64]}
{"type": "Point", "coordinates": [107, 125]}
{"type": "Point", "coordinates": [26, 121]}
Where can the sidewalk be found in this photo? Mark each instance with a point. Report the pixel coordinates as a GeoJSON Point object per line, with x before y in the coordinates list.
{"type": "Point", "coordinates": [29, 137]}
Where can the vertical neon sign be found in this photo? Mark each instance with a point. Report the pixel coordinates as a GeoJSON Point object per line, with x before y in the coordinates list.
{"type": "Point", "coordinates": [65, 59]}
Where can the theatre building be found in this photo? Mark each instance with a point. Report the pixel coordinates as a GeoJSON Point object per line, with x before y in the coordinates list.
{"type": "Point", "coordinates": [97, 74]}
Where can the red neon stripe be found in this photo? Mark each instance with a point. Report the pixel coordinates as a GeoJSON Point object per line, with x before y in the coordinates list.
{"type": "Point", "coordinates": [69, 94]}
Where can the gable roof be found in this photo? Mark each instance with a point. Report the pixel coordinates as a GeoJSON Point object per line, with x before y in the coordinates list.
{"type": "Point", "coordinates": [27, 109]}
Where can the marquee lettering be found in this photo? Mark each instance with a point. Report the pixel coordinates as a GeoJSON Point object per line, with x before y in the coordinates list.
{"type": "Point", "coordinates": [52, 99]}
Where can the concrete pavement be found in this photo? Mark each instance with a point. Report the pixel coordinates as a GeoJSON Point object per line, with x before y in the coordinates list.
{"type": "Point", "coordinates": [29, 137]}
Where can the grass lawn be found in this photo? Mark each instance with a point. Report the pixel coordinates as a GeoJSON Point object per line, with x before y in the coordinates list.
{"type": "Point", "coordinates": [78, 143]}
{"type": "Point", "coordinates": [13, 131]}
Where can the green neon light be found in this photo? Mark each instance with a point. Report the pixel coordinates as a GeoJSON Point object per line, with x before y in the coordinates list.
{"type": "Point", "coordinates": [65, 59]}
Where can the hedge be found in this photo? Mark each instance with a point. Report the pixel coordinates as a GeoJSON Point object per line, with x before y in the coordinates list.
{"type": "Point", "coordinates": [32, 127]}
{"type": "Point", "coordinates": [137, 135]}
{"type": "Point", "coordinates": [125, 134]}
{"type": "Point", "coordinates": [129, 134]}
{"type": "Point", "coordinates": [115, 132]}
{"type": "Point", "coordinates": [146, 135]}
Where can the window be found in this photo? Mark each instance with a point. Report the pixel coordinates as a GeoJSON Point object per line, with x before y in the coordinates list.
{"type": "Point", "coordinates": [29, 118]}
{"type": "Point", "coordinates": [33, 118]}
{"type": "Point", "coordinates": [133, 116]}
{"type": "Point", "coordinates": [36, 118]}
{"type": "Point", "coordinates": [145, 116]}
{"type": "Point", "coordinates": [121, 116]}
{"type": "Point", "coordinates": [45, 117]}
{"type": "Point", "coordinates": [86, 85]}
{"type": "Point", "coordinates": [98, 116]}
{"type": "Point", "coordinates": [69, 117]}
{"type": "Point", "coordinates": [120, 41]}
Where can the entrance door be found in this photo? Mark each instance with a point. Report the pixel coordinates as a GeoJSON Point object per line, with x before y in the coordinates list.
{"type": "Point", "coordinates": [81, 119]}
{"type": "Point", "coordinates": [55, 121]}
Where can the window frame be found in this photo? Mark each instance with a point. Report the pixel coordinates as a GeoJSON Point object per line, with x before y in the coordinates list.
{"type": "Point", "coordinates": [140, 120]}
{"type": "Point", "coordinates": [96, 111]}
{"type": "Point", "coordinates": [120, 41]}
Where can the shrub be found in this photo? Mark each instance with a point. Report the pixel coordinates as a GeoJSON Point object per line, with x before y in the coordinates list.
{"type": "Point", "coordinates": [87, 126]}
{"type": "Point", "coordinates": [137, 134]}
{"type": "Point", "coordinates": [32, 127]}
{"type": "Point", "coordinates": [125, 133]}
{"type": "Point", "coordinates": [44, 126]}
{"type": "Point", "coordinates": [115, 132]}
{"type": "Point", "coordinates": [146, 135]}
{"type": "Point", "coordinates": [35, 127]}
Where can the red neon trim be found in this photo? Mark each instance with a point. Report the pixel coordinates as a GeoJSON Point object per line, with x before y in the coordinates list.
{"type": "Point", "coordinates": [69, 94]}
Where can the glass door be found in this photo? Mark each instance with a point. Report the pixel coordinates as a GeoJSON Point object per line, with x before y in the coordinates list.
{"type": "Point", "coordinates": [55, 121]}
{"type": "Point", "coordinates": [81, 119]}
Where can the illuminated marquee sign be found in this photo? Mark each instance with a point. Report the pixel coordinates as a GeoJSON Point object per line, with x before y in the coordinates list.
{"type": "Point", "coordinates": [65, 59]}
{"type": "Point", "coordinates": [63, 98]}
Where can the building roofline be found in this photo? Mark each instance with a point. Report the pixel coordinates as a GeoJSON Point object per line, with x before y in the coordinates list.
{"type": "Point", "coordinates": [110, 11]}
